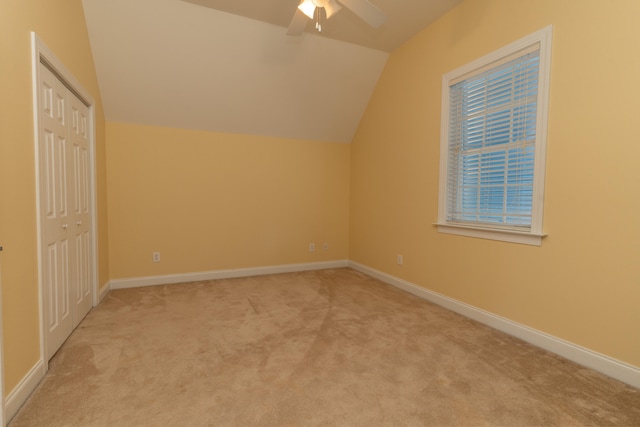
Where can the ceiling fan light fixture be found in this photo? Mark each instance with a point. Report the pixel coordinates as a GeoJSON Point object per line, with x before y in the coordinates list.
{"type": "Point", "coordinates": [308, 7]}
{"type": "Point", "coordinates": [364, 9]}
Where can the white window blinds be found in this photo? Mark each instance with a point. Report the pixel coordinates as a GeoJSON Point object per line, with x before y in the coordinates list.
{"type": "Point", "coordinates": [492, 143]}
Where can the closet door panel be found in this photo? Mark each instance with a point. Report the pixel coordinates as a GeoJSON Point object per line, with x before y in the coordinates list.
{"type": "Point", "coordinates": [58, 250]}
{"type": "Point", "coordinates": [81, 218]}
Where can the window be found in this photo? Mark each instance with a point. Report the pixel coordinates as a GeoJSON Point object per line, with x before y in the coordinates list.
{"type": "Point", "coordinates": [493, 143]}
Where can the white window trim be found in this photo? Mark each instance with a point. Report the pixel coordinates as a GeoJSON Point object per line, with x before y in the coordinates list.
{"type": "Point", "coordinates": [542, 37]}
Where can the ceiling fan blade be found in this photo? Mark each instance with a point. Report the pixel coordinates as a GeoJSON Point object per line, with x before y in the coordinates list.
{"type": "Point", "coordinates": [331, 8]}
{"type": "Point", "coordinates": [366, 11]}
{"type": "Point", "coordinates": [298, 23]}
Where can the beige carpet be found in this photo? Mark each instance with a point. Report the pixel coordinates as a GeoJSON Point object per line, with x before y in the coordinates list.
{"type": "Point", "coordinates": [323, 348]}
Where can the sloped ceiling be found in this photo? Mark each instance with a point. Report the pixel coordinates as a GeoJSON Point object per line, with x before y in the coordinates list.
{"type": "Point", "coordinates": [178, 64]}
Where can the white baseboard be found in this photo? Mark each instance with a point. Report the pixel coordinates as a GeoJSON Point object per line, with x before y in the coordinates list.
{"type": "Point", "coordinates": [23, 390]}
{"type": "Point", "coordinates": [223, 274]}
{"type": "Point", "coordinates": [583, 356]}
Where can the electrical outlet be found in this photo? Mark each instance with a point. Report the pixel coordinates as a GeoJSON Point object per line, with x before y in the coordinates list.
{"type": "Point", "coordinates": [312, 247]}
{"type": "Point", "coordinates": [400, 259]}
{"type": "Point", "coordinates": [325, 246]}
{"type": "Point", "coordinates": [156, 257]}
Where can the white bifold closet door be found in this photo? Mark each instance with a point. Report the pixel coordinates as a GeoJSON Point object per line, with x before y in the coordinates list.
{"type": "Point", "coordinates": [65, 208]}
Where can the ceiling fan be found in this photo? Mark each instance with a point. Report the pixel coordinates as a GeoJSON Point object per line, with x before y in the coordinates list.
{"type": "Point", "coordinates": [310, 8]}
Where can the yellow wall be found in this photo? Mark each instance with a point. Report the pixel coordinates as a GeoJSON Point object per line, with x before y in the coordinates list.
{"type": "Point", "coordinates": [211, 201]}
{"type": "Point", "coordinates": [583, 283]}
{"type": "Point", "coordinates": [60, 24]}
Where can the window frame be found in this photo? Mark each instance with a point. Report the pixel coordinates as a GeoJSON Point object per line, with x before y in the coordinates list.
{"type": "Point", "coordinates": [533, 236]}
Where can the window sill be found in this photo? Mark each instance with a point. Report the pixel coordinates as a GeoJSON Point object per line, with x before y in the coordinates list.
{"type": "Point", "coordinates": [512, 236]}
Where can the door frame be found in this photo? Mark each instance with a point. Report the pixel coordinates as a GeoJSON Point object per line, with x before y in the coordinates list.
{"type": "Point", "coordinates": [42, 54]}
{"type": "Point", "coordinates": [2, 413]}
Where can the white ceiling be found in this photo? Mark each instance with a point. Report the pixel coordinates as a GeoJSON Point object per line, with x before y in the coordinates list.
{"type": "Point", "coordinates": [177, 64]}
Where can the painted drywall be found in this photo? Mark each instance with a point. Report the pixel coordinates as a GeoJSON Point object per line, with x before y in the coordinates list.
{"type": "Point", "coordinates": [583, 283]}
{"type": "Point", "coordinates": [61, 26]}
{"type": "Point", "coordinates": [214, 201]}
{"type": "Point", "coordinates": [235, 74]}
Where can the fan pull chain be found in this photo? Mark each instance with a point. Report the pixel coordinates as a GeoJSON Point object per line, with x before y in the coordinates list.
{"type": "Point", "coordinates": [318, 26]}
